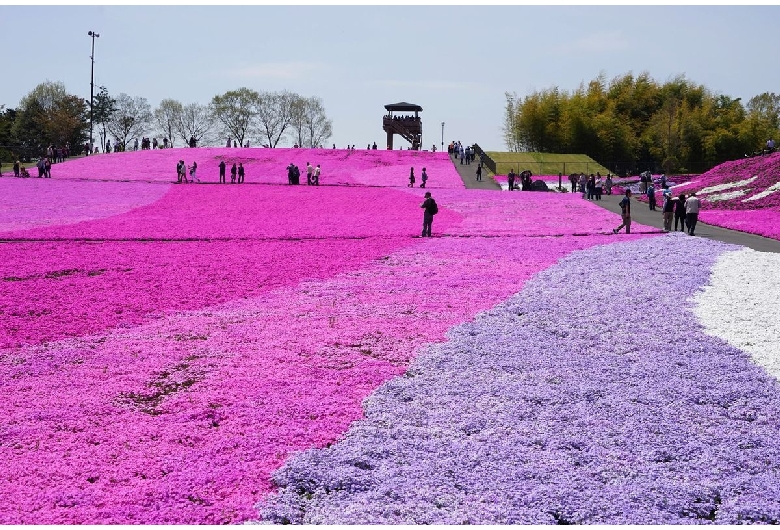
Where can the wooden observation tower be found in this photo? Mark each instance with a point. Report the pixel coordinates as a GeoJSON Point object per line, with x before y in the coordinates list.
{"type": "Point", "coordinates": [404, 124]}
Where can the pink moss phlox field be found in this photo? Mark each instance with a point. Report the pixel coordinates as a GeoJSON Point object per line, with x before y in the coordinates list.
{"type": "Point", "coordinates": [231, 243]}
{"type": "Point", "coordinates": [27, 203]}
{"type": "Point", "coordinates": [223, 329]}
{"type": "Point", "coordinates": [268, 166]}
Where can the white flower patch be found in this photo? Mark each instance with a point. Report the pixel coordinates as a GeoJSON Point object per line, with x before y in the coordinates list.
{"type": "Point", "coordinates": [728, 195]}
{"type": "Point", "coordinates": [728, 185]}
{"type": "Point", "coordinates": [741, 305]}
{"type": "Point", "coordinates": [769, 191]}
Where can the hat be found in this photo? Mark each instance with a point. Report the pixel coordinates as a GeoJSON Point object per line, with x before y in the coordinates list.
{"type": "Point", "coordinates": [427, 193]}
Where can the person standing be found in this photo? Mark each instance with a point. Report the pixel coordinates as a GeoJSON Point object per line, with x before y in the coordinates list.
{"type": "Point", "coordinates": [599, 187]}
{"type": "Point", "coordinates": [222, 172]}
{"type": "Point", "coordinates": [692, 207]}
{"type": "Point", "coordinates": [429, 210]}
{"type": "Point", "coordinates": [423, 178]}
{"type": "Point", "coordinates": [573, 180]}
{"type": "Point", "coordinates": [679, 213]}
{"type": "Point", "coordinates": [651, 195]}
{"type": "Point", "coordinates": [608, 184]}
{"type": "Point", "coordinates": [233, 174]}
{"type": "Point", "coordinates": [511, 178]}
{"type": "Point", "coordinates": [241, 173]}
{"type": "Point", "coordinates": [16, 168]}
{"type": "Point", "coordinates": [316, 176]}
{"type": "Point", "coordinates": [309, 171]}
{"type": "Point", "coordinates": [411, 179]}
{"type": "Point", "coordinates": [479, 172]}
{"type": "Point", "coordinates": [668, 209]}
{"type": "Point", "coordinates": [625, 212]}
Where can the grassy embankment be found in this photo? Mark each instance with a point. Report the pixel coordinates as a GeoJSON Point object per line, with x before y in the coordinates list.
{"type": "Point", "coordinates": [545, 163]}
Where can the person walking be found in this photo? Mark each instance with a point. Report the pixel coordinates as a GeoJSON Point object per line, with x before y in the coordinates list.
{"type": "Point", "coordinates": [194, 172]}
{"type": "Point", "coordinates": [668, 210]}
{"type": "Point", "coordinates": [241, 173]}
{"type": "Point", "coordinates": [692, 207]}
{"type": "Point", "coordinates": [429, 210]}
{"type": "Point", "coordinates": [608, 184]}
{"type": "Point", "coordinates": [479, 172]}
{"type": "Point", "coordinates": [316, 177]}
{"type": "Point", "coordinates": [423, 178]}
{"type": "Point", "coordinates": [47, 168]}
{"type": "Point", "coordinates": [222, 172]}
{"type": "Point", "coordinates": [651, 195]}
{"type": "Point", "coordinates": [625, 208]}
{"type": "Point", "coordinates": [679, 212]}
{"type": "Point", "coordinates": [233, 174]}
{"type": "Point", "coordinates": [411, 179]}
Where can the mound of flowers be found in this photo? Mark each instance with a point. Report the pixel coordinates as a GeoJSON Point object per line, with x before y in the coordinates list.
{"type": "Point", "coordinates": [267, 166]}
{"type": "Point", "coordinates": [162, 358]}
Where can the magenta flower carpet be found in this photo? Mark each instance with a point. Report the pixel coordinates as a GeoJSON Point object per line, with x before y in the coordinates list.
{"type": "Point", "coordinates": [228, 353]}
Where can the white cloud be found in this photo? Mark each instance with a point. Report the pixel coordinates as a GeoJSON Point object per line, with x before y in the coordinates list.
{"type": "Point", "coordinates": [285, 70]}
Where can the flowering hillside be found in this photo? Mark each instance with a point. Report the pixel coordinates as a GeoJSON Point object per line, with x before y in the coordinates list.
{"type": "Point", "coordinates": [268, 166]}
{"type": "Point", "coordinates": [193, 354]}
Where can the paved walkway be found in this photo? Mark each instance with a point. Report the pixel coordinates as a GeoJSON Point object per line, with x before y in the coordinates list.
{"type": "Point", "coordinates": [641, 213]}
{"type": "Point", "coordinates": [468, 173]}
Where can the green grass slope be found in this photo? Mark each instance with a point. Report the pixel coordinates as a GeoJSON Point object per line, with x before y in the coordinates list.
{"type": "Point", "coordinates": [545, 163]}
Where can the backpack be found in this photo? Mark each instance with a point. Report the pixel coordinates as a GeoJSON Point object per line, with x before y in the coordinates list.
{"type": "Point", "coordinates": [296, 172]}
{"type": "Point", "coordinates": [434, 209]}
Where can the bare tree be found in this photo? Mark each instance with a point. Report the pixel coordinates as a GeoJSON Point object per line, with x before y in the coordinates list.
{"type": "Point", "coordinates": [196, 121]}
{"type": "Point", "coordinates": [131, 118]}
{"type": "Point", "coordinates": [167, 116]}
{"type": "Point", "coordinates": [275, 114]}
{"type": "Point", "coordinates": [318, 127]}
{"type": "Point", "coordinates": [237, 111]}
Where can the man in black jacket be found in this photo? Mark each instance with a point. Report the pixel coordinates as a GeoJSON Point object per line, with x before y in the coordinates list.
{"type": "Point", "coordinates": [431, 209]}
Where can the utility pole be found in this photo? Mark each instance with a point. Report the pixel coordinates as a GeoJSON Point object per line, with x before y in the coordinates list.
{"type": "Point", "coordinates": [91, 89]}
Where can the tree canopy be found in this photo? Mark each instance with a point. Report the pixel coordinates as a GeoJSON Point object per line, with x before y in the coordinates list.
{"type": "Point", "coordinates": [633, 123]}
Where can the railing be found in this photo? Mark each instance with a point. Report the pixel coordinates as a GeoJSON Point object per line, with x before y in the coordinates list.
{"type": "Point", "coordinates": [485, 159]}
{"type": "Point", "coordinates": [400, 127]}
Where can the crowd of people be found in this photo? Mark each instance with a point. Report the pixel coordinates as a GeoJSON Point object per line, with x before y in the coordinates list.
{"type": "Point", "coordinates": [683, 210]}
{"type": "Point", "coordinates": [526, 182]}
{"type": "Point", "coordinates": [312, 174]}
{"type": "Point", "coordinates": [466, 153]}
{"type": "Point", "coordinates": [592, 187]}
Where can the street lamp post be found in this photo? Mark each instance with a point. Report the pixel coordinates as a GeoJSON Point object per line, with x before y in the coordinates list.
{"type": "Point", "coordinates": [442, 137]}
{"type": "Point", "coordinates": [91, 88]}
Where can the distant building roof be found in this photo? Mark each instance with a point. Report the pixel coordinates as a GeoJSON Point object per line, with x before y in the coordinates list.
{"type": "Point", "coordinates": [403, 107]}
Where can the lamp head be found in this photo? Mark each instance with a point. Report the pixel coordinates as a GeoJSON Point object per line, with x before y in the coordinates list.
{"type": "Point", "coordinates": [92, 34]}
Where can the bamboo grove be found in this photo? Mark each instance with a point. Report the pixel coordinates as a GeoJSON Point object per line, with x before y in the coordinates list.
{"type": "Point", "coordinates": [633, 124]}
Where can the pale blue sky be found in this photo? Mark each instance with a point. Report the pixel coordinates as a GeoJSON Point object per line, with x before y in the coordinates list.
{"type": "Point", "coordinates": [454, 61]}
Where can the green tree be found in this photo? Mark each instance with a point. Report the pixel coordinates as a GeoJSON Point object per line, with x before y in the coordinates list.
{"type": "Point", "coordinates": [237, 111]}
{"type": "Point", "coordinates": [103, 109]}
